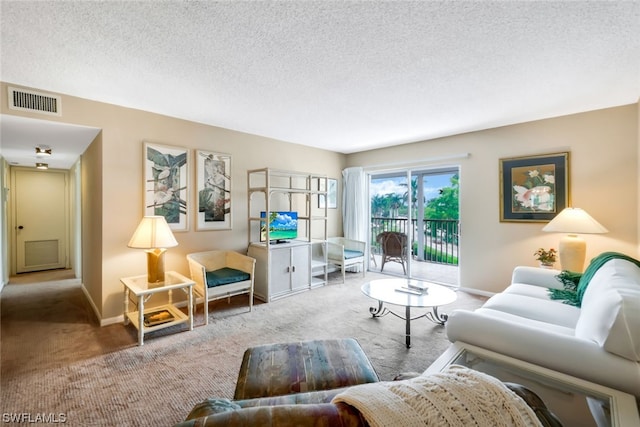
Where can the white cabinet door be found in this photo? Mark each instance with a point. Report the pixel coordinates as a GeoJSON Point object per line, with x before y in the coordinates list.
{"type": "Point", "coordinates": [300, 259]}
{"type": "Point", "coordinates": [280, 282]}
{"type": "Point", "coordinates": [281, 270]}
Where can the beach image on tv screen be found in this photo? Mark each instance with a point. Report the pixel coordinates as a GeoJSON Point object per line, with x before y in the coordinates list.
{"type": "Point", "coordinates": [282, 226]}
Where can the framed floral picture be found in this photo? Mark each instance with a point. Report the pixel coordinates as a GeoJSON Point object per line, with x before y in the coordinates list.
{"type": "Point", "coordinates": [213, 182]}
{"type": "Point", "coordinates": [534, 188]}
{"type": "Point", "coordinates": [166, 176]}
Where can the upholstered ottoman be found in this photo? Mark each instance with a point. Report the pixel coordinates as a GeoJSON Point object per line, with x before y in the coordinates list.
{"type": "Point", "coordinates": [297, 367]}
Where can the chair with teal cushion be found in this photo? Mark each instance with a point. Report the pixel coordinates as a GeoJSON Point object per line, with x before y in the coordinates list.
{"type": "Point", "coordinates": [346, 253]}
{"type": "Point", "coordinates": [225, 276]}
{"type": "Point", "coordinates": [221, 274]}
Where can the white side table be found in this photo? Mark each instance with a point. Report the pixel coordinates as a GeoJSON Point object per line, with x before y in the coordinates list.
{"type": "Point", "coordinates": [142, 290]}
{"type": "Point", "coordinates": [574, 401]}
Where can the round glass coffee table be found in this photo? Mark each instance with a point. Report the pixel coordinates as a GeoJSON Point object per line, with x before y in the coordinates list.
{"type": "Point", "coordinates": [409, 293]}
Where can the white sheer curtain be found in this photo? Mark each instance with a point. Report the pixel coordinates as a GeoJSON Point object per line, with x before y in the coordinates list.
{"type": "Point", "coordinates": [354, 205]}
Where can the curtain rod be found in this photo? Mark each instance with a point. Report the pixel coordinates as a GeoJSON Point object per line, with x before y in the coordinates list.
{"type": "Point", "coordinates": [417, 162]}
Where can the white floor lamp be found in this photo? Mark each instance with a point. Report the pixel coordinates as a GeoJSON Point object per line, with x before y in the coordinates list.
{"type": "Point", "coordinates": [573, 248]}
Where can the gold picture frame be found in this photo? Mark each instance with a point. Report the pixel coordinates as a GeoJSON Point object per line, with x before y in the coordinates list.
{"type": "Point", "coordinates": [534, 188]}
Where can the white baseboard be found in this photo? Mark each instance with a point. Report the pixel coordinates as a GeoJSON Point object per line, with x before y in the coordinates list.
{"type": "Point", "coordinates": [96, 312]}
{"type": "Point", "coordinates": [477, 292]}
{"type": "Point", "coordinates": [112, 320]}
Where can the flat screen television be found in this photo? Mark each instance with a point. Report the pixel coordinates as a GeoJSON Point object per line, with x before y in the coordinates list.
{"type": "Point", "coordinates": [283, 226]}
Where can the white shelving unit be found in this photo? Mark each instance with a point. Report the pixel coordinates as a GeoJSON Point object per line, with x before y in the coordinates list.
{"type": "Point", "coordinates": [319, 264]}
{"type": "Point", "coordinates": [298, 264]}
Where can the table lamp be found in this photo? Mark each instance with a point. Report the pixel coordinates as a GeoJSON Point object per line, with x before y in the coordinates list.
{"type": "Point", "coordinates": [573, 248]}
{"type": "Point", "coordinates": [153, 233]}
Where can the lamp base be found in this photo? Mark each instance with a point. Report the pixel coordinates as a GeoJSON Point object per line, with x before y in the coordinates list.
{"type": "Point", "coordinates": [155, 265]}
{"type": "Point", "coordinates": [573, 250]}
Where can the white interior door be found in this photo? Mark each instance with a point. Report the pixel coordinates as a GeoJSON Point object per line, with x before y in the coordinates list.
{"type": "Point", "coordinates": [41, 219]}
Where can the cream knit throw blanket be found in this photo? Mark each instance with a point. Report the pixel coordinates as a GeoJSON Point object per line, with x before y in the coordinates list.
{"type": "Point", "coordinates": [455, 397]}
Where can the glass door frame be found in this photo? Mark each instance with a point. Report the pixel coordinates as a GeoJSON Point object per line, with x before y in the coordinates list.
{"type": "Point", "coordinates": [406, 174]}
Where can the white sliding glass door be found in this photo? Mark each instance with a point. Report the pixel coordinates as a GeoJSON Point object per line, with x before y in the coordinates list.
{"type": "Point", "coordinates": [417, 209]}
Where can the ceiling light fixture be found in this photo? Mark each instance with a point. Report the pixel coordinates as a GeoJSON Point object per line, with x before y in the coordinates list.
{"type": "Point", "coordinates": [42, 166]}
{"type": "Point", "coordinates": [42, 151]}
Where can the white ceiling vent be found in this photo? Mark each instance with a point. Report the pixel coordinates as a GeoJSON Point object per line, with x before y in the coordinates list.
{"type": "Point", "coordinates": [35, 102]}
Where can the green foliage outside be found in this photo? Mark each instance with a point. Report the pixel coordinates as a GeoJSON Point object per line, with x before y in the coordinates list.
{"type": "Point", "coordinates": [443, 207]}
{"type": "Point", "coordinates": [394, 205]}
{"type": "Point", "coordinates": [432, 255]}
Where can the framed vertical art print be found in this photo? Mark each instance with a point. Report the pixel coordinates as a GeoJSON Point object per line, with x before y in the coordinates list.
{"type": "Point", "coordinates": [534, 188]}
{"type": "Point", "coordinates": [332, 195]}
{"type": "Point", "coordinates": [166, 176]}
{"type": "Point", "coordinates": [213, 182]}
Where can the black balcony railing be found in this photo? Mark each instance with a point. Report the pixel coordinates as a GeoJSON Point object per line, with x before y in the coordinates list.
{"type": "Point", "coordinates": [433, 240]}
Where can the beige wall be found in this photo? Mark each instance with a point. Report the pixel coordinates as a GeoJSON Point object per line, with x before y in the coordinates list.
{"type": "Point", "coordinates": [112, 188]}
{"type": "Point", "coordinates": [603, 181]}
{"type": "Point", "coordinates": [91, 223]}
{"type": "Point", "coordinates": [4, 224]}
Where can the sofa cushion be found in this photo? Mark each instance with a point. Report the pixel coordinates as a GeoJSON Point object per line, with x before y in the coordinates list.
{"type": "Point", "coordinates": [212, 406]}
{"type": "Point", "coordinates": [611, 322]}
{"type": "Point", "coordinates": [623, 339]}
{"type": "Point", "coordinates": [597, 263]}
{"type": "Point", "coordinates": [519, 320]}
{"type": "Point", "coordinates": [318, 415]}
{"type": "Point", "coordinates": [528, 290]}
{"type": "Point", "coordinates": [609, 309]}
{"type": "Point", "coordinates": [617, 273]}
{"type": "Point", "coordinates": [310, 397]}
{"type": "Point", "coordinates": [547, 311]}
{"type": "Point", "coordinates": [224, 276]}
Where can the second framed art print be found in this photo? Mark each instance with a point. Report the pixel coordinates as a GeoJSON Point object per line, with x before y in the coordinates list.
{"type": "Point", "coordinates": [213, 182]}
{"type": "Point", "coordinates": [534, 188]}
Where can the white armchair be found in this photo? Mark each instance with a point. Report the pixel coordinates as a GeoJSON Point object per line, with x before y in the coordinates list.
{"type": "Point", "coordinates": [221, 274]}
{"type": "Point", "coordinates": [345, 253]}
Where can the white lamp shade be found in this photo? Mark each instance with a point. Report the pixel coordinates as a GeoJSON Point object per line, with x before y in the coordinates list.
{"type": "Point", "coordinates": [574, 221]}
{"type": "Point", "coordinates": [152, 232]}
{"type": "Point", "coordinates": [573, 248]}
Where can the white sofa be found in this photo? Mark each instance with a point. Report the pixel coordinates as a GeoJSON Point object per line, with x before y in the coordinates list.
{"type": "Point", "coordinates": [598, 341]}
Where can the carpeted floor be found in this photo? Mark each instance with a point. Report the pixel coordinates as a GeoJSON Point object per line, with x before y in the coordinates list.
{"type": "Point", "coordinates": [57, 361]}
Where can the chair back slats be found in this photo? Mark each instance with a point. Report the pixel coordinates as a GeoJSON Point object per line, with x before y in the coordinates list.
{"type": "Point", "coordinates": [394, 247]}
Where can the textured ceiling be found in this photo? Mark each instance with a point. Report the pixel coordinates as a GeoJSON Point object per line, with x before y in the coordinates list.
{"type": "Point", "coordinates": [344, 76]}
